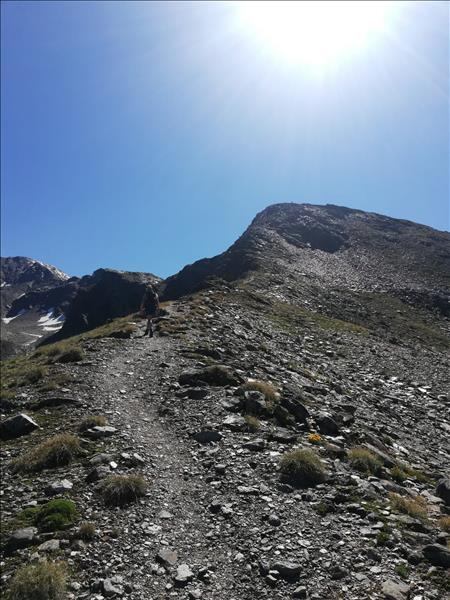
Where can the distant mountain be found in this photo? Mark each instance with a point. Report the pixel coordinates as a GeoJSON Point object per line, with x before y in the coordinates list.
{"type": "Point", "coordinates": [39, 300]}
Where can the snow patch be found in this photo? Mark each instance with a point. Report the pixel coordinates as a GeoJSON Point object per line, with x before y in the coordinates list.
{"type": "Point", "coordinates": [9, 319]}
{"type": "Point", "coordinates": [51, 323]}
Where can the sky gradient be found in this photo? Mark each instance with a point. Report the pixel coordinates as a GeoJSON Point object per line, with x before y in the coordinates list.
{"type": "Point", "coordinates": [146, 135]}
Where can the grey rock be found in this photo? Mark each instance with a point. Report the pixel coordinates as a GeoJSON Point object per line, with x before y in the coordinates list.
{"type": "Point", "coordinates": [394, 591]}
{"type": "Point", "coordinates": [216, 375]}
{"type": "Point", "coordinates": [98, 473]}
{"type": "Point", "coordinates": [234, 422]}
{"type": "Point", "coordinates": [255, 445]}
{"type": "Point", "coordinates": [49, 546]}
{"type": "Point", "coordinates": [327, 425]}
{"type": "Point", "coordinates": [295, 408]}
{"type": "Point", "coordinates": [59, 487]}
{"type": "Point", "coordinates": [287, 570]}
{"type": "Point", "coordinates": [184, 575]}
{"type": "Point", "coordinates": [300, 592]}
{"type": "Point", "coordinates": [21, 538]}
{"type": "Point", "coordinates": [438, 555]}
{"type": "Point", "coordinates": [255, 403]}
{"type": "Point", "coordinates": [274, 520]}
{"type": "Point", "coordinates": [113, 586]}
{"type": "Point", "coordinates": [283, 436]}
{"type": "Point", "coordinates": [206, 436]}
{"type": "Point", "coordinates": [99, 432]}
{"type": "Point", "coordinates": [17, 426]}
{"type": "Point", "coordinates": [387, 460]}
{"type": "Point", "coordinates": [443, 490]}
{"type": "Point", "coordinates": [167, 557]}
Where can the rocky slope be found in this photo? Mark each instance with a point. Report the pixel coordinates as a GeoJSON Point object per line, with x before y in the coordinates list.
{"type": "Point", "coordinates": [354, 373]}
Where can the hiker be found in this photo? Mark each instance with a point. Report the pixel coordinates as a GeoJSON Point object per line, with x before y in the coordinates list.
{"type": "Point", "coordinates": [149, 308]}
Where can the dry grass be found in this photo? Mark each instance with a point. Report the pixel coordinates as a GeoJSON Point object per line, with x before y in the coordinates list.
{"type": "Point", "coordinates": [414, 507]}
{"type": "Point", "coordinates": [270, 392]}
{"type": "Point", "coordinates": [302, 468]}
{"type": "Point", "coordinates": [92, 421]}
{"type": "Point", "coordinates": [86, 531]}
{"type": "Point", "coordinates": [57, 451]}
{"type": "Point", "coordinates": [253, 424]}
{"type": "Point", "coordinates": [365, 461]}
{"type": "Point", "coordinates": [118, 490]}
{"type": "Point", "coordinates": [42, 581]}
{"type": "Point", "coordinates": [444, 523]}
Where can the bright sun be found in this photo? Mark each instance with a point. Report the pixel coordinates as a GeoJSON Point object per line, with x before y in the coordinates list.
{"type": "Point", "coordinates": [315, 33]}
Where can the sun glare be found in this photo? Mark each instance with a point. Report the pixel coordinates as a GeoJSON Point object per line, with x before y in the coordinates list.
{"type": "Point", "coordinates": [314, 33]}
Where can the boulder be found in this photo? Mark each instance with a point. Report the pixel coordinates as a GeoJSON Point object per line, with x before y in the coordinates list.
{"type": "Point", "coordinates": [21, 538]}
{"type": "Point", "coordinates": [394, 591]}
{"type": "Point", "coordinates": [443, 490]}
{"type": "Point", "coordinates": [288, 570]}
{"type": "Point", "coordinates": [206, 436]}
{"type": "Point", "coordinates": [255, 403]}
{"type": "Point", "coordinates": [295, 408]}
{"type": "Point", "coordinates": [167, 557]}
{"type": "Point", "coordinates": [59, 487]}
{"type": "Point", "coordinates": [438, 555]}
{"type": "Point", "coordinates": [183, 576]}
{"type": "Point", "coordinates": [216, 375]}
{"type": "Point", "coordinates": [17, 426]}
{"type": "Point", "coordinates": [327, 425]}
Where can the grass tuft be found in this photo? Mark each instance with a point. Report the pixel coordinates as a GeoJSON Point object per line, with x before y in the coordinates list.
{"type": "Point", "coordinates": [86, 531]}
{"type": "Point", "coordinates": [414, 507]}
{"type": "Point", "coordinates": [365, 461]}
{"type": "Point", "coordinates": [253, 423]}
{"type": "Point", "coordinates": [57, 451]}
{"type": "Point", "coordinates": [42, 581]}
{"type": "Point", "coordinates": [118, 490]}
{"type": "Point", "coordinates": [302, 468]}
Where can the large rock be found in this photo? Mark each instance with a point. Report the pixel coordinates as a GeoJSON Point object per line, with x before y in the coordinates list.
{"type": "Point", "coordinates": [21, 538]}
{"type": "Point", "coordinates": [206, 436]}
{"type": "Point", "coordinates": [327, 425]}
{"type": "Point", "coordinates": [167, 557]}
{"type": "Point", "coordinates": [394, 591]}
{"type": "Point", "coordinates": [439, 556]}
{"type": "Point", "coordinates": [295, 408]}
{"type": "Point", "coordinates": [287, 570]}
{"type": "Point", "coordinates": [183, 576]}
{"type": "Point", "coordinates": [17, 426]}
{"type": "Point", "coordinates": [217, 375]}
{"type": "Point", "coordinates": [443, 490]}
{"type": "Point", "coordinates": [255, 403]}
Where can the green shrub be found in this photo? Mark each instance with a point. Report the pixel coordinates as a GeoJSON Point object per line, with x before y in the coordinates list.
{"type": "Point", "coordinates": [42, 581]}
{"type": "Point", "coordinates": [365, 461]}
{"type": "Point", "coordinates": [414, 507]}
{"type": "Point", "coordinates": [118, 490]}
{"type": "Point", "coordinates": [398, 474]}
{"type": "Point", "coordinates": [92, 421]}
{"type": "Point", "coordinates": [56, 514]}
{"type": "Point", "coordinates": [253, 424]}
{"type": "Point", "coordinates": [86, 531]}
{"type": "Point", "coordinates": [383, 537]}
{"type": "Point", "coordinates": [57, 451]}
{"type": "Point", "coordinates": [402, 570]}
{"type": "Point", "coordinates": [302, 468]}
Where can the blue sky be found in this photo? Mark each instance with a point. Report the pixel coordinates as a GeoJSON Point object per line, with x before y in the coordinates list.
{"type": "Point", "coordinates": [144, 136]}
